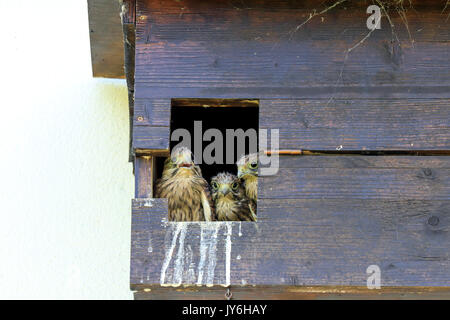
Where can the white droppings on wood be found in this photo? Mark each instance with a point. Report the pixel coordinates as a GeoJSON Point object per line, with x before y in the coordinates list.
{"type": "Point", "coordinates": [228, 255]}
{"type": "Point", "coordinates": [179, 267]}
{"type": "Point", "coordinates": [208, 248]}
{"type": "Point", "coordinates": [148, 202]}
{"type": "Point", "coordinates": [164, 222]}
{"type": "Point", "coordinates": [190, 276]}
{"type": "Point", "coordinates": [169, 253]}
{"type": "Point", "coordinates": [201, 264]}
{"type": "Point", "coordinates": [240, 229]}
{"type": "Point", "coordinates": [179, 262]}
{"type": "Point", "coordinates": [212, 258]}
{"type": "Point", "coordinates": [150, 247]}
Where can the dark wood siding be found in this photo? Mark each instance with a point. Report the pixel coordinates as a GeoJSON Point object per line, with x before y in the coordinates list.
{"type": "Point", "coordinates": [359, 124]}
{"type": "Point", "coordinates": [226, 50]}
{"type": "Point", "coordinates": [324, 227]}
{"type": "Point", "coordinates": [330, 86]}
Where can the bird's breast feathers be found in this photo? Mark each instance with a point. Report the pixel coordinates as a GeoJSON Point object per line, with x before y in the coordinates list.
{"type": "Point", "coordinates": [251, 187]}
{"type": "Point", "coordinates": [226, 207]}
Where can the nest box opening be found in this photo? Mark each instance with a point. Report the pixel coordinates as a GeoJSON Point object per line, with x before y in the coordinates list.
{"type": "Point", "coordinates": [198, 116]}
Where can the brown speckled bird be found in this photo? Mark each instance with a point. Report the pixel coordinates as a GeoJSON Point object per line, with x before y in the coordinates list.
{"type": "Point", "coordinates": [184, 187]}
{"type": "Point", "coordinates": [248, 172]}
{"type": "Point", "coordinates": [229, 198]}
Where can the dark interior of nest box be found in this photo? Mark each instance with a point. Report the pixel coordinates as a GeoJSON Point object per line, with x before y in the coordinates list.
{"type": "Point", "coordinates": [218, 114]}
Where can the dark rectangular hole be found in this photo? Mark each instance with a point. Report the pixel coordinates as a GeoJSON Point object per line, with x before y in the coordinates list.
{"type": "Point", "coordinates": [218, 114]}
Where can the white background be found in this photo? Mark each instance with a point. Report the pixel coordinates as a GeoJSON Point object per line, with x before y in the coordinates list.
{"type": "Point", "coordinates": [65, 181]}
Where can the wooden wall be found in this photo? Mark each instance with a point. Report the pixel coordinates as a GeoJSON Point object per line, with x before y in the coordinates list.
{"type": "Point", "coordinates": [107, 45]}
{"type": "Point", "coordinates": [329, 85]}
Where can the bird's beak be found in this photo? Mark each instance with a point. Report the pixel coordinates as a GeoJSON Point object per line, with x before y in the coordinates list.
{"type": "Point", "coordinates": [224, 190]}
{"type": "Point", "coordinates": [242, 172]}
{"type": "Point", "coordinates": [184, 160]}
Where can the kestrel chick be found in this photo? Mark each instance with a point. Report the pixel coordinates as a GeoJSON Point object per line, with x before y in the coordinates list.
{"type": "Point", "coordinates": [184, 187]}
{"type": "Point", "coordinates": [248, 172]}
{"type": "Point", "coordinates": [228, 195]}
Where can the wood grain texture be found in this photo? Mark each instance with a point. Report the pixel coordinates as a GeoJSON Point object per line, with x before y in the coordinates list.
{"type": "Point", "coordinates": [222, 103]}
{"type": "Point", "coordinates": [151, 140]}
{"type": "Point", "coordinates": [338, 225]}
{"type": "Point", "coordinates": [128, 19]}
{"type": "Point", "coordinates": [322, 220]}
{"type": "Point", "coordinates": [223, 49]}
{"type": "Point", "coordinates": [144, 171]}
{"type": "Point", "coordinates": [106, 35]}
{"type": "Point", "coordinates": [382, 124]}
{"type": "Point", "coordinates": [354, 178]}
{"type": "Point", "coordinates": [301, 243]}
{"type": "Point", "coordinates": [342, 125]}
{"type": "Point", "coordinates": [365, 162]}
{"type": "Point", "coordinates": [151, 126]}
{"type": "Point", "coordinates": [152, 112]}
{"type": "Point", "coordinates": [293, 293]}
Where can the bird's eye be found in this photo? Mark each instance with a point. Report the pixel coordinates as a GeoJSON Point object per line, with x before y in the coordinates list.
{"type": "Point", "coordinates": [214, 185]}
{"type": "Point", "coordinates": [253, 165]}
{"type": "Point", "coordinates": [235, 186]}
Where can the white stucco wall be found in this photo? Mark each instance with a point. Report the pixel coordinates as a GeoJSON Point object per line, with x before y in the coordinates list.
{"type": "Point", "coordinates": [65, 181]}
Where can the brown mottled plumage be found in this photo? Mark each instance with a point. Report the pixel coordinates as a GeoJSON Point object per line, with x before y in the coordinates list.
{"type": "Point", "coordinates": [184, 187]}
{"type": "Point", "coordinates": [229, 198]}
{"type": "Point", "coordinates": [248, 172]}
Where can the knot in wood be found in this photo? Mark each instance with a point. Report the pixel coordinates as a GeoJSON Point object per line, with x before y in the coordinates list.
{"type": "Point", "coordinates": [433, 221]}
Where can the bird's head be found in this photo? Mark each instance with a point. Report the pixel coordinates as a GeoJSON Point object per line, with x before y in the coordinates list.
{"type": "Point", "coordinates": [181, 157]}
{"type": "Point", "coordinates": [248, 166]}
{"type": "Point", "coordinates": [226, 185]}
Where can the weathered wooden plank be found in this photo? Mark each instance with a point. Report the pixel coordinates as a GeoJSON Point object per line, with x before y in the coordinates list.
{"type": "Point", "coordinates": [173, 21]}
{"type": "Point", "coordinates": [387, 124]}
{"type": "Point", "coordinates": [215, 103]}
{"type": "Point", "coordinates": [299, 243]}
{"type": "Point", "coordinates": [358, 182]}
{"type": "Point", "coordinates": [128, 18]}
{"type": "Point", "coordinates": [292, 70]}
{"type": "Point", "coordinates": [293, 293]}
{"type": "Point", "coordinates": [361, 161]}
{"type": "Point", "coordinates": [144, 171]}
{"type": "Point", "coordinates": [107, 48]}
{"type": "Point", "coordinates": [341, 125]}
{"type": "Point", "coordinates": [151, 140]}
{"type": "Point", "coordinates": [232, 52]}
{"type": "Point", "coordinates": [157, 112]}
{"type": "Point", "coordinates": [152, 112]}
